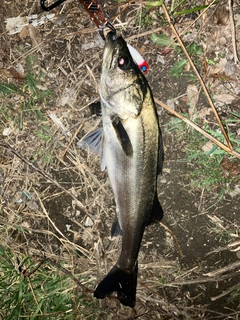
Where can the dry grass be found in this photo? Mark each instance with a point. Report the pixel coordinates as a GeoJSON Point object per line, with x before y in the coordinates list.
{"type": "Point", "coordinates": [56, 205]}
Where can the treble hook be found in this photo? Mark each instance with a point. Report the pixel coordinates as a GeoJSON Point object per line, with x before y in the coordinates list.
{"type": "Point", "coordinates": [52, 6]}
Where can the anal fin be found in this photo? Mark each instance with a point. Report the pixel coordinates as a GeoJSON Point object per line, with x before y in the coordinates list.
{"type": "Point", "coordinates": [156, 214]}
{"type": "Point", "coordinates": [116, 229]}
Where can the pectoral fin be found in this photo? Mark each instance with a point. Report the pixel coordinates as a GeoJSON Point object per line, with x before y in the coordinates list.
{"type": "Point", "coordinates": [123, 137]}
{"type": "Point", "coordinates": [157, 211]}
{"type": "Point", "coordinates": [92, 141]}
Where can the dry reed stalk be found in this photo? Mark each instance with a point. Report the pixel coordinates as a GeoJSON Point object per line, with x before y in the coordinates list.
{"type": "Point", "coordinates": [228, 148]}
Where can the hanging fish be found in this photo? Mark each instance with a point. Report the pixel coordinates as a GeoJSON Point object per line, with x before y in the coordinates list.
{"type": "Point", "coordinates": [130, 148]}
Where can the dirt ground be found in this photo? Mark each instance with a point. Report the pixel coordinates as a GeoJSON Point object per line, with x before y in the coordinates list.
{"type": "Point", "coordinates": [189, 264]}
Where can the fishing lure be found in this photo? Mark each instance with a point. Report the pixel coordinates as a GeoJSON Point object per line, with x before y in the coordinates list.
{"type": "Point", "coordinates": [142, 63]}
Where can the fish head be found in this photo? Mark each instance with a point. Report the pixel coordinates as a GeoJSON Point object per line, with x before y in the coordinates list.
{"type": "Point", "coordinates": [123, 85]}
{"type": "Point", "coordinates": [116, 54]}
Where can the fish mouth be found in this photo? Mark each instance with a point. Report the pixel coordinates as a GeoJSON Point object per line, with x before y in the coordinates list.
{"type": "Point", "coordinates": [111, 38]}
{"type": "Point", "coordinates": [109, 50]}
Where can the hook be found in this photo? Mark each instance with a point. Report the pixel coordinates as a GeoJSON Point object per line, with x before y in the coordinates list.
{"type": "Point", "coordinates": [52, 6]}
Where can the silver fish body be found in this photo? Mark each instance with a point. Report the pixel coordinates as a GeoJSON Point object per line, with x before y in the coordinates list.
{"type": "Point", "coordinates": [131, 149]}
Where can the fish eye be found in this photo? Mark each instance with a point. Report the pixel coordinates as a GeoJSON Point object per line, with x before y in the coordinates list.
{"type": "Point", "coordinates": [123, 62]}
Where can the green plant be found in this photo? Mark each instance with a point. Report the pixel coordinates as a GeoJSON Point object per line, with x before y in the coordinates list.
{"type": "Point", "coordinates": [179, 5]}
{"type": "Point", "coordinates": [176, 5]}
{"type": "Point", "coordinates": [33, 292]}
{"type": "Point", "coordinates": [28, 98]}
{"type": "Point", "coordinates": [178, 67]}
{"type": "Point", "coordinates": [208, 167]}
{"type": "Point", "coordinates": [143, 18]}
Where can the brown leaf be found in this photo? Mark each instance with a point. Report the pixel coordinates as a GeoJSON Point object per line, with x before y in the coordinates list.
{"type": "Point", "coordinates": [192, 95]}
{"type": "Point", "coordinates": [33, 33]}
{"type": "Point", "coordinates": [225, 97]}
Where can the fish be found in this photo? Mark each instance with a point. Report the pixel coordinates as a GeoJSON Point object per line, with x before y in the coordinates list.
{"type": "Point", "coordinates": [130, 147]}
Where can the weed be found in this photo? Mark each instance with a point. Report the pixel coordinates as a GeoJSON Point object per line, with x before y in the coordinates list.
{"type": "Point", "coordinates": [33, 292]}
{"type": "Point", "coordinates": [29, 98]}
{"type": "Point", "coordinates": [143, 18]}
{"type": "Point", "coordinates": [207, 172]}
{"type": "Point", "coordinates": [176, 5]}
{"type": "Point", "coordinates": [193, 49]}
{"type": "Point", "coordinates": [208, 169]}
{"type": "Point", "coordinates": [224, 236]}
{"type": "Point", "coordinates": [22, 106]}
{"type": "Point", "coordinates": [44, 133]}
{"type": "Point", "coordinates": [163, 40]}
{"type": "Point", "coordinates": [163, 280]}
{"type": "Point", "coordinates": [178, 67]}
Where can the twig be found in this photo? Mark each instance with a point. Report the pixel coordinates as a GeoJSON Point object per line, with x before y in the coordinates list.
{"type": "Point", "coordinates": [196, 127]}
{"type": "Point", "coordinates": [72, 139]}
{"type": "Point", "coordinates": [81, 249]}
{"type": "Point", "coordinates": [70, 275]}
{"type": "Point", "coordinates": [236, 60]}
{"type": "Point", "coordinates": [196, 281]}
{"type": "Point", "coordinates": [228, 268]}
{"type": "Point", "coordinates": [199, 77]}
{"type": "Point", "coordinates": [174, 237]}
{"type": "Point", "coordinates": [185, 274]}
{"type": "Point", "coordinates": [224, 293]}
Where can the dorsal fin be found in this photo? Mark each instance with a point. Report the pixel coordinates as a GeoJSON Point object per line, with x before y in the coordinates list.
{"type": "Point", "coordinates": [160, 154]}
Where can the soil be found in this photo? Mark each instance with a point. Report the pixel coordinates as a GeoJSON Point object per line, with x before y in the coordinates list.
{"type": "Point", "coordinates": [189, 263]}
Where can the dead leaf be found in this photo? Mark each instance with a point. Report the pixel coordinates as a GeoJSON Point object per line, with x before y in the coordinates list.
{"type": "Point", "coordinates": [230, 68]}
{"type": "Point", "coordinates": [207, 146]}
{"type": "Point", "coordinates": [225, 98]}
{"type": "Point", "coordinates": [59, 123]}
{"type": "Point", "coordinates": [220, 66]}
{"type": "Point", "coordinates": [24, 33]}
{"type": "Point", "coordinates": [192, 99]}
{"type": "Point", "coordinates": [33, 33]}
{"type": "Point", "coordinates": [235, 192]}
{"type": "Point", "coordinates": [7, 131]}
{"type": "Point", "coordinates": [204, 112]}
{"type": "Point", "coordinates": [12, 73]}
{"type": "Point", "coordinates": [69, 97]}
{"type": "Point", "coordinates": [192, 95]}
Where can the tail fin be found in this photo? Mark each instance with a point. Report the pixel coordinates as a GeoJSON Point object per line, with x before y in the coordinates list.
{"type": "Point", "coordinates": [125, 283]}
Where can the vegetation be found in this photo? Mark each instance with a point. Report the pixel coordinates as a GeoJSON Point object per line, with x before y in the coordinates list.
{"type": "Point", "coordinates": [33, 286]}
{"type": "Point", "coordinates": [37, 291]}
